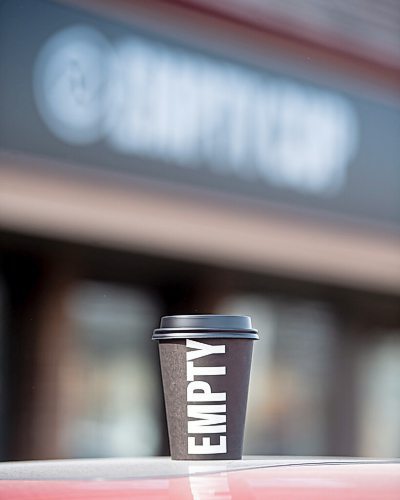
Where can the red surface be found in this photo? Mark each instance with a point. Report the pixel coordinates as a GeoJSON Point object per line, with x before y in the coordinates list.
{"type": "Point", "coordinates": [322, 482]}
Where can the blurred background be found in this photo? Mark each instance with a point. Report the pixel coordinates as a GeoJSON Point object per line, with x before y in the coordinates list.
{"type": "Point", "coordinates": [190, 157]}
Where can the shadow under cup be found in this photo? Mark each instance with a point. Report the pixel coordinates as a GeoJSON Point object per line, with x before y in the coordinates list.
{"type": "Point", "coordinates": [205, 365]}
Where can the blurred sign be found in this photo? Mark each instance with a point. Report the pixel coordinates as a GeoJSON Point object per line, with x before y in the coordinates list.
{"type": "Point", "coordinates": [143, 97]}
{"type": "Point", "coordinates": [95, 92]}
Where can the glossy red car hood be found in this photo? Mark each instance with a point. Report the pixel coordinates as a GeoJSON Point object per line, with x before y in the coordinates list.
{"type": "Point", "coordinates": [161, 478]}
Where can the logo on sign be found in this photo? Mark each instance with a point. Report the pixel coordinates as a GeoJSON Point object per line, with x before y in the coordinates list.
{"type": "Point", "coordinates": [146, 98]}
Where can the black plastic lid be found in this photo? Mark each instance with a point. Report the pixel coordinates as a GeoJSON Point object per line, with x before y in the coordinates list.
{"type": "Point", "coordinates": [205, 326]}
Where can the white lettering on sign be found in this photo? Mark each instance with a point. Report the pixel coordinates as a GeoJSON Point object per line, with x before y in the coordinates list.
{"type": "Point", "coordinates": [146, 98]}
{"type": "Point", "coordinates": [207, 418]}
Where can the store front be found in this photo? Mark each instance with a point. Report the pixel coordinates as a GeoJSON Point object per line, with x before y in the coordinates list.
{"type": "Point", "coordinates": [148, 170]}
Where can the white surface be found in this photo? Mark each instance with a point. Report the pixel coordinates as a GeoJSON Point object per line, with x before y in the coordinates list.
{"type": "Point", "coordinates": [159, 467]}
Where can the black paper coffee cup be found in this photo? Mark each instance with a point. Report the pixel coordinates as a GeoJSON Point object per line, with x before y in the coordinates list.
{"type": "Point", "coordinates": [205, 365]}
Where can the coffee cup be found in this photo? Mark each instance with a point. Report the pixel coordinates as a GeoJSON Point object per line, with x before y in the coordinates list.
{"type": "Point", "coordinates": [205, 365]}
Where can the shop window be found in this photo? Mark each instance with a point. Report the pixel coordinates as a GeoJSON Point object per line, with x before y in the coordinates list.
{"type": "Point", "coordinates": [379, 396]}
{"type": "Point", "coordinates": [2, 373]}
{"type": "Point", "coordinates": [291, 375]}
{"type": "Point", "coordinates": [111, 394]}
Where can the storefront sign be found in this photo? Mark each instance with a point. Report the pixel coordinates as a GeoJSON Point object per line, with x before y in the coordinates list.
{"type": "Point", "coordinates": [97, 93]}
{"type": "Point", "coordinates": [145, 98]}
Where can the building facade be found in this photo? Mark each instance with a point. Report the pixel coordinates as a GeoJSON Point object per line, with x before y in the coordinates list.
{"type": "Point", "coordinates": [181, 158]}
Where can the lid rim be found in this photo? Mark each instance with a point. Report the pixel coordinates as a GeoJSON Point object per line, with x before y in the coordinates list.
{"type": "Point", "coordinates": [205, 335]}
{"type": "Point", "coordinates": [205, 329]}
{"type": "Point", "coordinates": [205, 326]}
